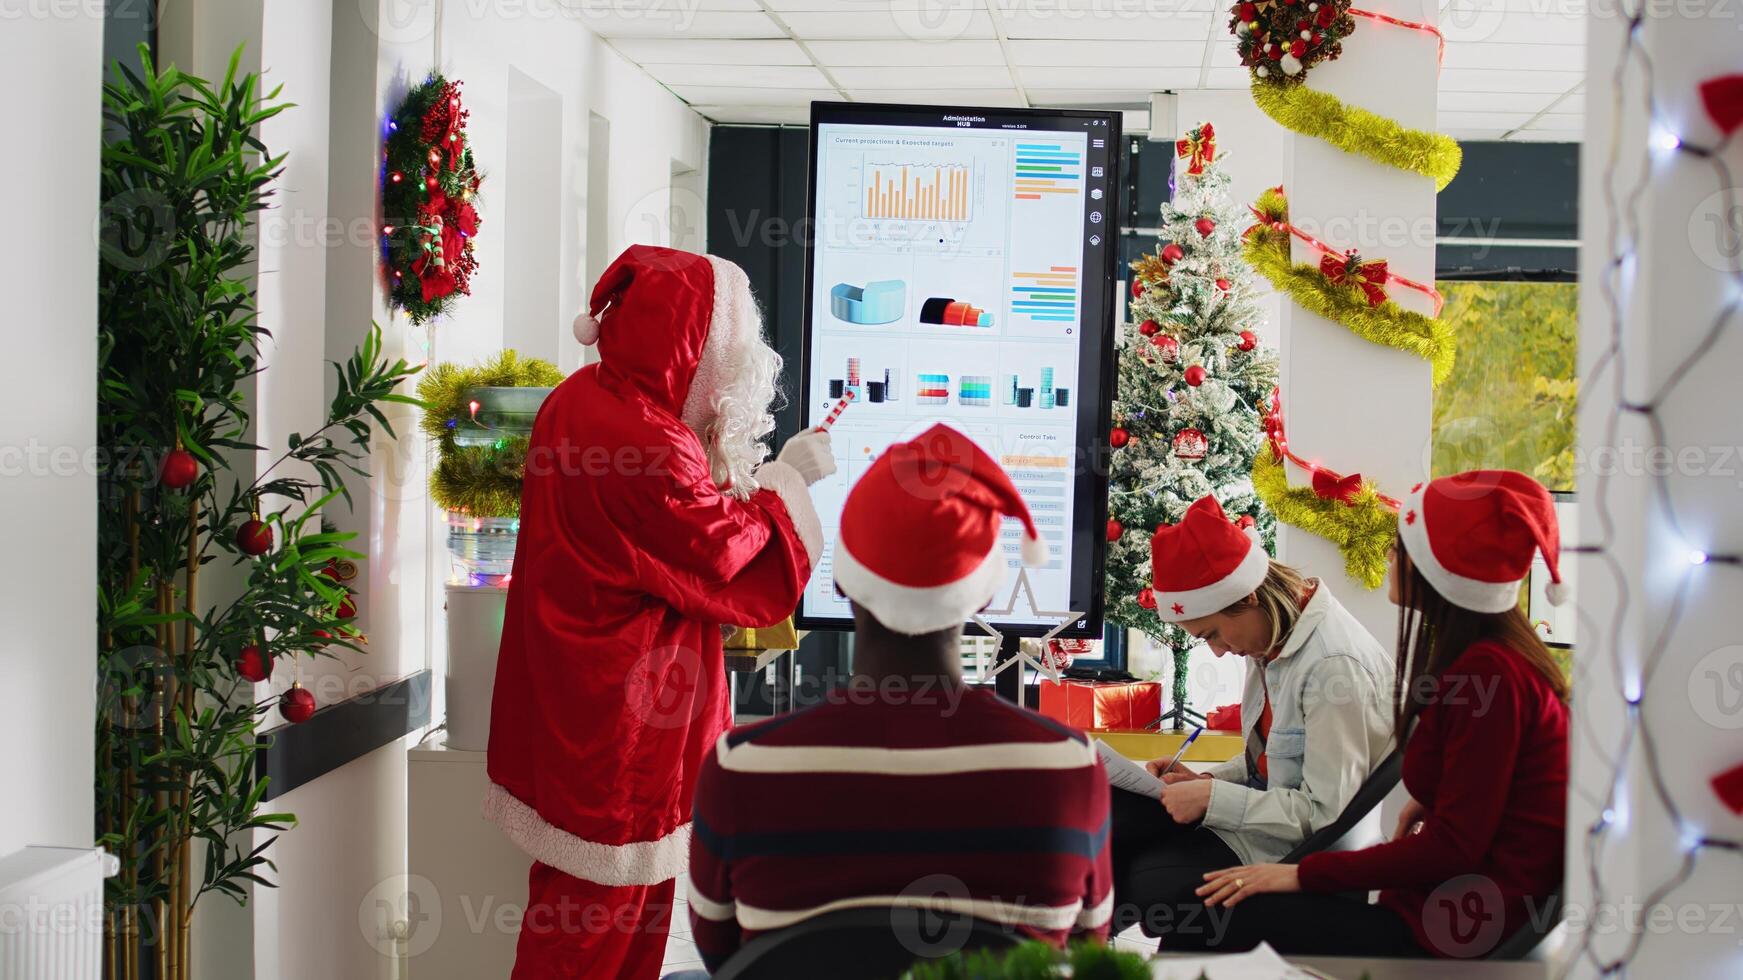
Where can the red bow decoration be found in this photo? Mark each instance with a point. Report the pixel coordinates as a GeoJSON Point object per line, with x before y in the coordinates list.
{"type": "Point", "coordinates": [1327, 484]}
{"type": "Point", "coordinates": [1330, 486]}
{"type": "Point", "coordinates": [1351, 271]}
{"type": "Point", "coordinates": [1723, 97]}
{"type": "Point", "coordinates": [1198, 147]}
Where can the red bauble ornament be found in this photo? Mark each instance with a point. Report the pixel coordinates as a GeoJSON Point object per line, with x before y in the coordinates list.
{"type": "Point", "coordinates": [1190, 445]}
{"type": "Point", "coordinates": [1172, 253]}
{"type": "Point", "coordinates": [179, 469]}
{"type": "Point", "coordinates": [254, 537]}
{"type": "Point", "coordinates": [1205, 226]}
{"type": "Point", "coordinates": [252, 665]}
{"type": "Point", "coordinates": [1245, 521]}
{"type": "Point", "coordinates": [1298, 49]}
{"type": "Point", "coordinates": [1146, 598]}
{"type": "Point", "coordinates": [347, 607]}
{"type": "Point", "coordinates": [1222, 284]}
{"type": "Point", "coordinates": [1248, 340]}
{"type": "Point", "coordinates": [1137, 289]}
{"type": "Point", "coordinates": [297, 705]}
{"type": "Point", "coordinates": [1115, 529]}
{"type": "Point", "coordinates": [1118, 437]}
{"type": "Point", "coordinates": [1149, 328]}
{"type": "Point", "coordinates": [1195, 375]}
{"type": "Point", "coordinates": [1169, 346]}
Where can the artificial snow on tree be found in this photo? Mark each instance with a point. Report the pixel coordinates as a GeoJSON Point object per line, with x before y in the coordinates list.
{"type": "Point", "coordinates": [1193, 386]}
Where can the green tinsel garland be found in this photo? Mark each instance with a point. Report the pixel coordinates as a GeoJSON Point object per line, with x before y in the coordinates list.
{"type": "Point", "coordinates": [1355, 130]}
{"type": "Point", "coordinates": [1267, 249]}
{"type": "Point", "coordinates": [481, 480]}
{"type": "Point", "coordinates": [1363, 530]}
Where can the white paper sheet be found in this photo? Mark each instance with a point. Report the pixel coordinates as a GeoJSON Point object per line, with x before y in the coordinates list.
{"type": "Point", "coordinates": [1125, 774]}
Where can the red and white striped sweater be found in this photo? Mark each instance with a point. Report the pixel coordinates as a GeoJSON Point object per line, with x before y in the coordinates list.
{"type": "Point", "coordinates": [955, 801]}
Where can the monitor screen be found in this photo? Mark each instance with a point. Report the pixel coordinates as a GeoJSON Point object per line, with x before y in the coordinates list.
{"type": "Point", "coordinates": [959, 269]}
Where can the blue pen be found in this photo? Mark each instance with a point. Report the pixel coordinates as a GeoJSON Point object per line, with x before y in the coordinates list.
{"type": "Point", "coordinates": [1183, 747]}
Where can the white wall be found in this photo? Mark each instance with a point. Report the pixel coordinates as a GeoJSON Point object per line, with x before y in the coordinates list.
{"type": "Point", "coordinates": [347, 64]}
{"type": "Point", "coordinates": [47, 464]}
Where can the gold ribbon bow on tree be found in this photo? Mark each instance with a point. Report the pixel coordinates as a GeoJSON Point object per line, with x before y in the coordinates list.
{"type": "Point", "coordinates": [1351, 272]}
{"type": "Point", "coordinates": [1198, 147]}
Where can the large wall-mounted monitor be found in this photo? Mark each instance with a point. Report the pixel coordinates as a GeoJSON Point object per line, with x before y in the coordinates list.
{"type": "Point", "coordinates": [960, 268]}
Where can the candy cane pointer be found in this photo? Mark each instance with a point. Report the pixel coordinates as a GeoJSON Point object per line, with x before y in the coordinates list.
{"type": "Point", "coordinates": [835, 412]}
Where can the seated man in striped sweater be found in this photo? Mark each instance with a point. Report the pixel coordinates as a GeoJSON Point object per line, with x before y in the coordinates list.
{"type": "Point", "coordinates": [904, 788]}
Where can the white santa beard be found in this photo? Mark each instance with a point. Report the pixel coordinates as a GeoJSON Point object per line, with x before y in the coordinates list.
{"type": "Point", "coordinates": [728, 405]}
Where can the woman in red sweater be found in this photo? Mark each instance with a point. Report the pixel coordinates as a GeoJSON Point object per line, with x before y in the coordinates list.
{"type": "Point", "coordinates": [1483, 706]}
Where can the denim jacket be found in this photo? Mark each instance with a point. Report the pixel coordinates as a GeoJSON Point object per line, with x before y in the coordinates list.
{"type": "Point", "coordinates": [1331, 724]}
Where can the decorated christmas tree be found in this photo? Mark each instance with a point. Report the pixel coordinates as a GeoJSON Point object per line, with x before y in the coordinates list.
{"type": "Point", "coordinates": [1193, 383]}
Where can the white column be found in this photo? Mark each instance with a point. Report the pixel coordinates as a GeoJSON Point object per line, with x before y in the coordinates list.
{"type": "Point", "coordinates": [1657, 626]}
{"type": "Point", "coordinates": [51, 59]}
{"type": "Point", "coordinates": [1353, 405]}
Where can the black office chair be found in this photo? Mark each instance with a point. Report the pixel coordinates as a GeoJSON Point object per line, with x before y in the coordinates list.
{"type": "Point", "coordinates": [862, 944]}
{"type": "Point", "coordinates": [1531, 935]}
{"type": "Point", "coordinates": [1374, 789]}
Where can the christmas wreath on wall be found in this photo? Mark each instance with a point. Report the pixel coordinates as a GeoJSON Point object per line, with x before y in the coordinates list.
{"type": "Point", "coordinates": [428, 182]}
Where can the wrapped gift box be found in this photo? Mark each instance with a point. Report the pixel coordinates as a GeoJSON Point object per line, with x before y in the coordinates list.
{"type": "Point", "coordinates": [1102, 704]}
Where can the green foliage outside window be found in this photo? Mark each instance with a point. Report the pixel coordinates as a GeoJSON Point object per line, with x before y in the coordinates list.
{"type": "Point", "coordinates": [1510, 401]}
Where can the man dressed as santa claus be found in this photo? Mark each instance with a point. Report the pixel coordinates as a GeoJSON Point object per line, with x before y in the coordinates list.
{"type": "Point", "coordinates": [648, 520]}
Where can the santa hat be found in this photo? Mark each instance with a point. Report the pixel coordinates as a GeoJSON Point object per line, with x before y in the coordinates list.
{"type": "Point", "coordinates": [1204, 564]}
{"type": "Point", "coordinates": [1473, 537]}
{"type": "Point", "coordinates": [920, 545]}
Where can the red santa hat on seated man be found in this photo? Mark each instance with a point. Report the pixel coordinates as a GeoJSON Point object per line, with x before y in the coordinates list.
{"type": "Point", "coordinates": [1204, 564]}
{"type": "Point", "coordinates": [1473, 537]}
{"type": "Point", "coordinates": [920, 545]}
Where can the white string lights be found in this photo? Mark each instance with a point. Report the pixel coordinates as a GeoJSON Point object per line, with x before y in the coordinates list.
{"type": "Point", "coordinates": [1664, 148]}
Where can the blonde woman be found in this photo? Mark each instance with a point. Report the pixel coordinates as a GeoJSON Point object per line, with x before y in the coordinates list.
{"type": "Point", "coordinates": [1314, 716]}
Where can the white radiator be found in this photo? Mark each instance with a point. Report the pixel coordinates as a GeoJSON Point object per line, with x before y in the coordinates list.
{"type": "Point", "coordinates": [51, 913]}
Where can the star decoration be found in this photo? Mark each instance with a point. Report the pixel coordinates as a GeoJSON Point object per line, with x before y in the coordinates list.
{"type": "Point", "coordinates": [1410, 517]}
{"type": "Point", "coordinates": [1179, 610]}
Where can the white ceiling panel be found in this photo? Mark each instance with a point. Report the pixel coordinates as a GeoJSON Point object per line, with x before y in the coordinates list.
{"type": "Point", "coordinates": [1040, 22]}
{"type": "Point", "coordinates": [1227, 78]}
{"type": "Point", "coordinates": [663, 51]}
{"type": "Point", "coordinates": [1113, 54]}
{"type": "Point", "coordinates": [1143, 80]}
{"type": "Point", "coordinates": [878, 22]}
{"type": "Point", "coordinates": [906, 54]}
{"type": "Point", "coordinates": [1504, 80]}
{"type": "Point", "coordinates": [1494, 101]}
{"type": "Point", "coordinates": [1513, 68]}
{"type": "Point", "coordinates": [1003, 98]}
{"type": "Point", "coordinates": [1502, 121]}
{"type": "Point", "coordinates": [715, 95]}
{"type": "Point", "coordinates": [944, 79]}
{"type": "Point", "coordinates": [1514, 27]}
{"type": "Point", "coordinates": [675, 22]}
{"type": "Point", "coordinates": [740, 76]}
{"type": "Point", "coordinates": [1533, 57]}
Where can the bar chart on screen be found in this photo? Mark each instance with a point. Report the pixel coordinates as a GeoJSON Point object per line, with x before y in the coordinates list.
{"type": "Point", "coordinates": [922, 193]}
{"type": "Point", "coordinates": [1044, 170]}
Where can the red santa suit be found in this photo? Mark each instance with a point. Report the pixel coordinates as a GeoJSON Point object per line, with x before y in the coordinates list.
{"type": "Point", "coordinates": [610, 683]}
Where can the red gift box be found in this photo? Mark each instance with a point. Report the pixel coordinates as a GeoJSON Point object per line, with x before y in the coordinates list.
{"type": "Point", "coordinates": [1102, 704]}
